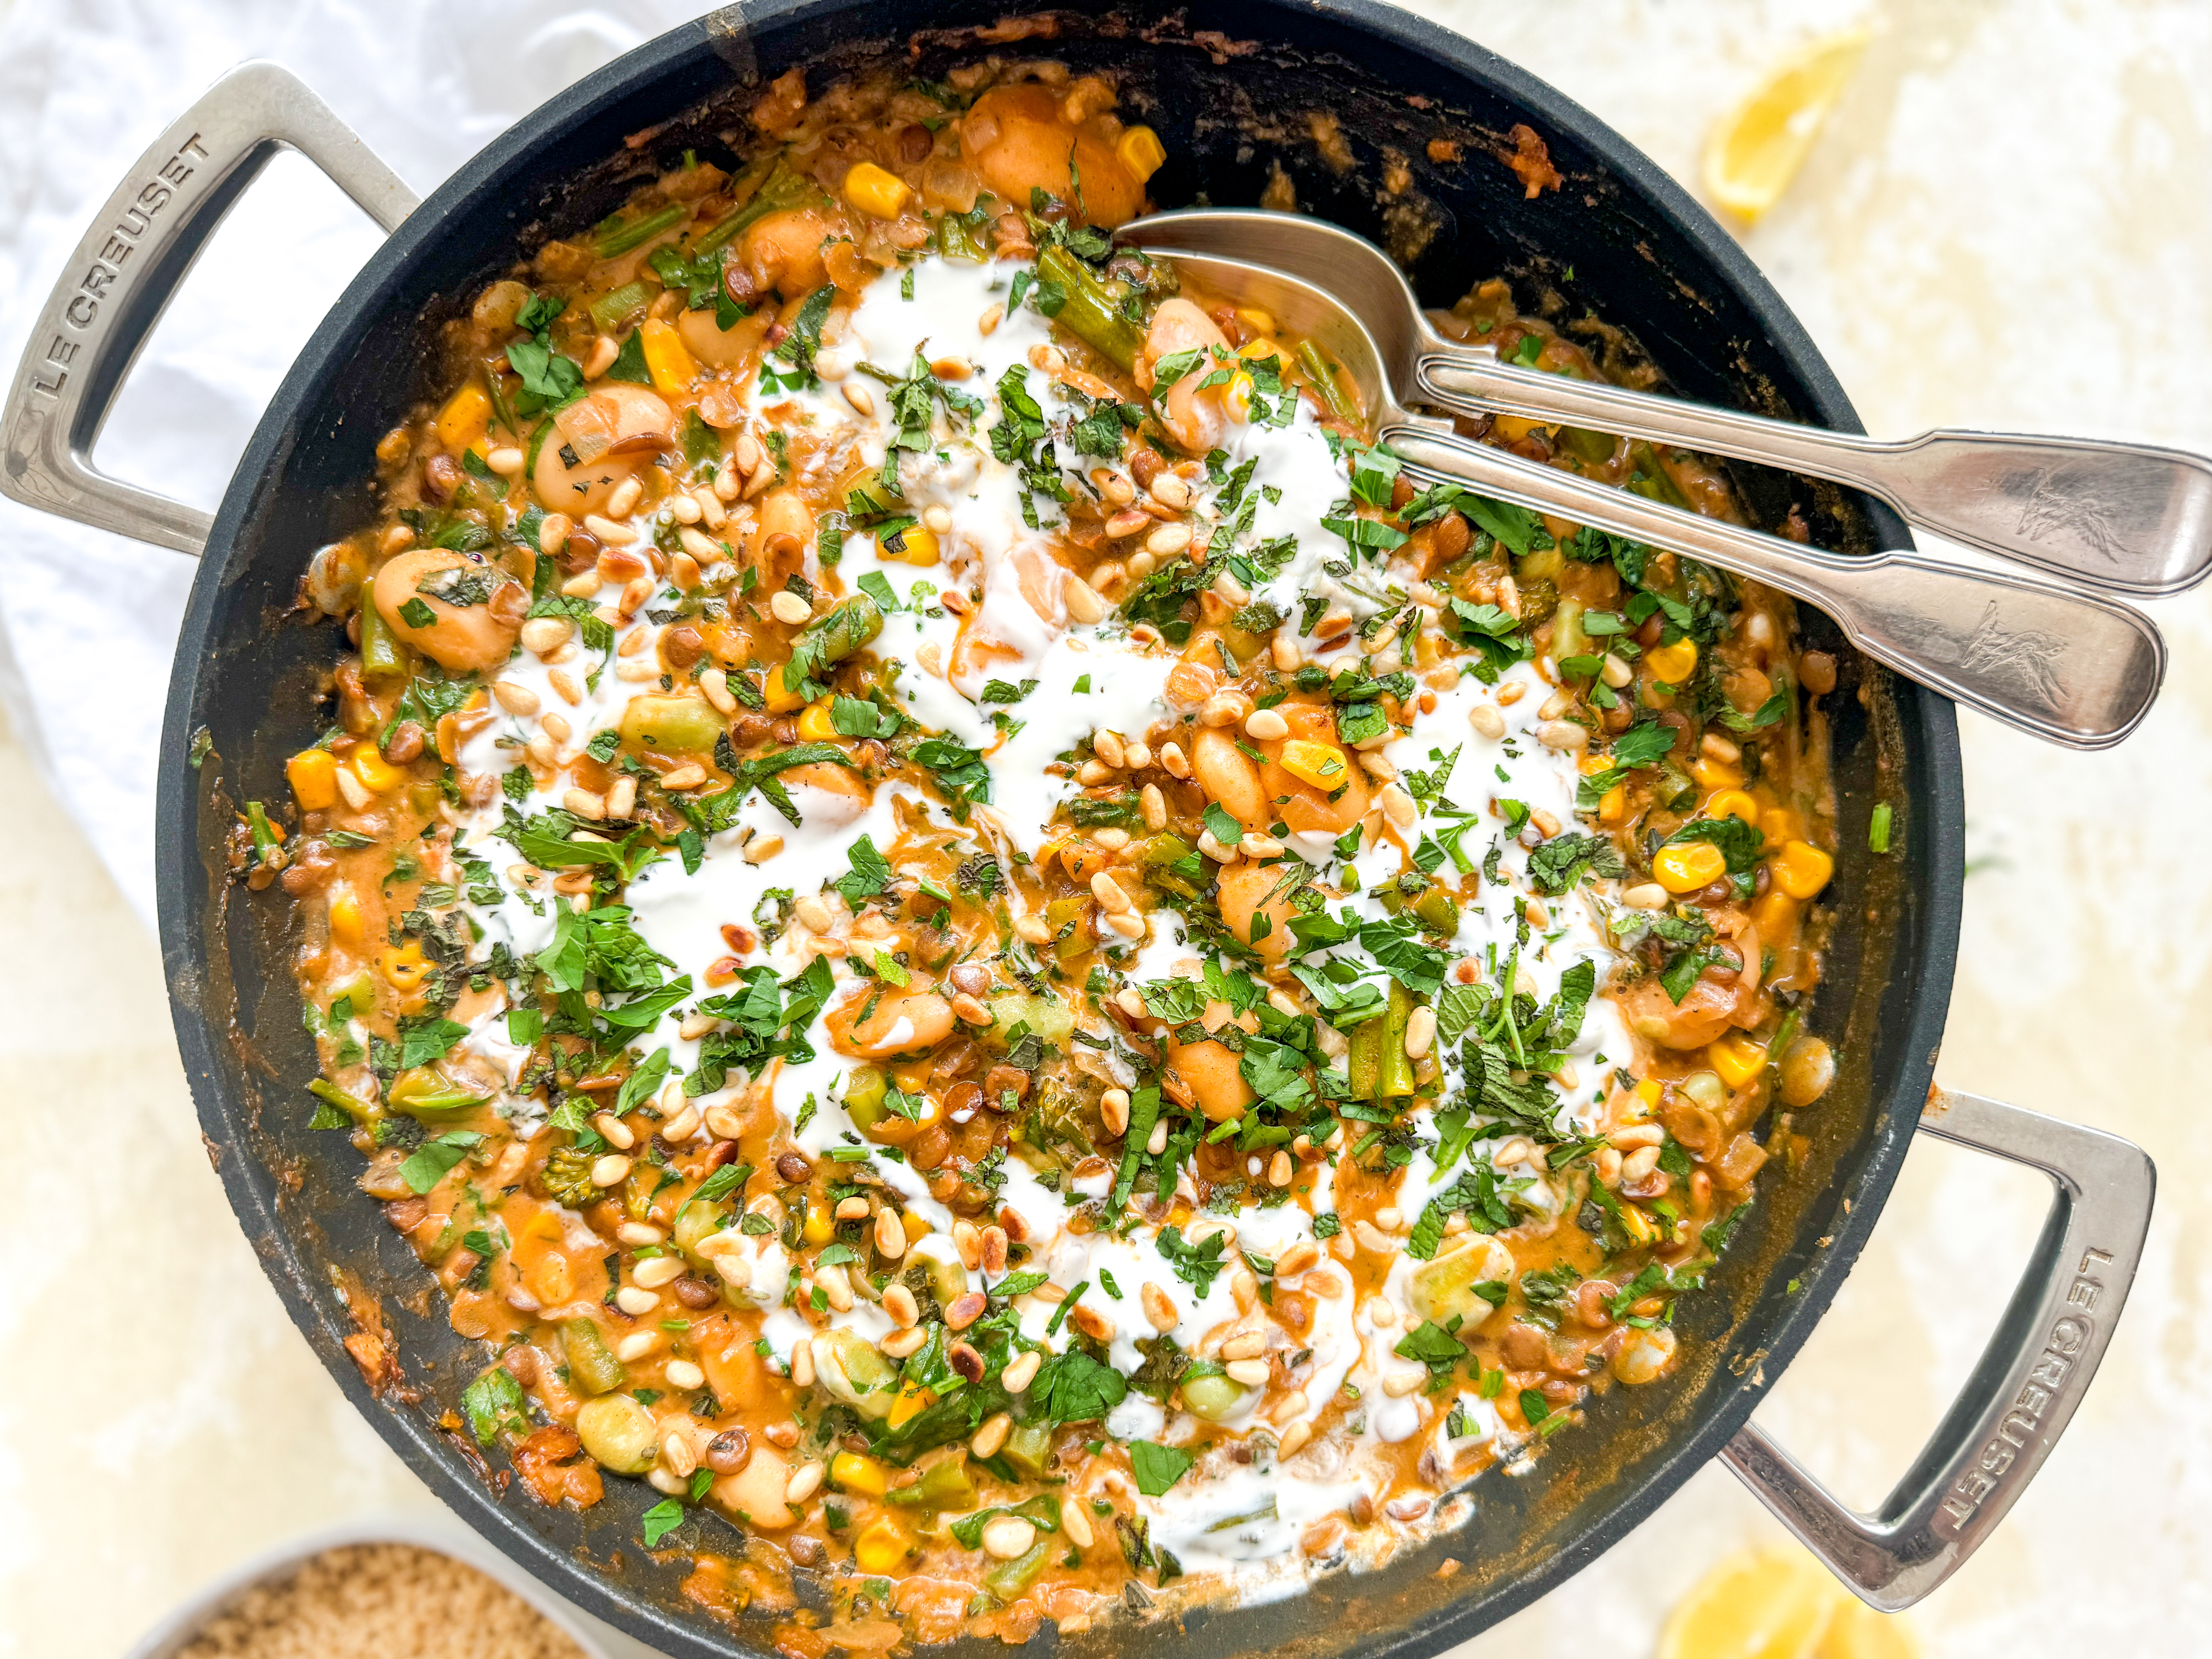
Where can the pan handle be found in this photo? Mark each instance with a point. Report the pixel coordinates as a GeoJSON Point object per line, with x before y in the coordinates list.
{"type": "Point", "coordinates": [113, 289]}
{"type": "Point", "coordinates": [2030, 1379]}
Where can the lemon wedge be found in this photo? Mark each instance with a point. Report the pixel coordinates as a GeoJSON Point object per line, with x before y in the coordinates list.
{"type": "Point", "coordinates": [1761, 1604]}
{"type": "Point", "coordinates": [1857, 1631]}
{"type": "Point", "coordinates": [1759, 146]}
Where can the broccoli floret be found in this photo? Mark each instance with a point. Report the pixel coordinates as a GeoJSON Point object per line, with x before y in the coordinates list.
{"type": "Point", "coordinates": [567, 1178]}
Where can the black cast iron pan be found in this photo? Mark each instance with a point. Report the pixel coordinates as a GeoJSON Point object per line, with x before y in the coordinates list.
{"type": "Point", "coordinates": [1230, 88]}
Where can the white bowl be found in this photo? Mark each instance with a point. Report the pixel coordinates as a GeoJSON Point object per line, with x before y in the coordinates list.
{"type": "Point", "coordinates": [440, 1533]}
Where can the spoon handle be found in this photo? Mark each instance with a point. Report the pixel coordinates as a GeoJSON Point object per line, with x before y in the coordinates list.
{"type": "Point", "coordinates": [2075, 669]}
{"type": "Point", "coordinates": [2131, 518]}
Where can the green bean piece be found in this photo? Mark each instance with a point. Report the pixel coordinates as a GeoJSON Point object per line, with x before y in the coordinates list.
{"type": "Point", "coordinates": [611, 307]}
{"type": "Point", "coordinates": [618, 240]}
{"type": "Point", "coordinates": [1784, 1035]}
{"type": "Point", "coordinates": [502, 411]}
{"type": "Point", "coordinates": [1090, 312]}
{"type": "Point", "coordinates": [1364, 1062]}
{"type": "Point", "coordinates": [958, 239]}
{"type": "Point", "coordinates": [593, 1367]}
{"type": "Point", "coordinates": [1322, 374]}
{"type": "Point", "coordinates": [1029, 1448]}
{"type": "Point", "coordinates": [1394, 1073]}
{"type": "Point", "coordinates": [382, 656]}
{"type": "Point", "coordinates": [1008, 1579]}
{"type": "Point", "coordinates": [782, 188]}
{"type": "Point", "coordinates": [850, 624]}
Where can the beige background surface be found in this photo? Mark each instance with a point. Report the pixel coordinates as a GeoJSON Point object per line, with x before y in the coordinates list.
{"type": "Point", "coordinates": [2008, 223]}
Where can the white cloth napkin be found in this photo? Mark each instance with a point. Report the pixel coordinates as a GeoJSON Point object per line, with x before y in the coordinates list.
{"type": "Point", "coordinates": [88, 620]}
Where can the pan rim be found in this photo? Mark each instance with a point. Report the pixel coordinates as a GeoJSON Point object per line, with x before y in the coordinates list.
{"type": "Point", "coordinates": [1929, 721]}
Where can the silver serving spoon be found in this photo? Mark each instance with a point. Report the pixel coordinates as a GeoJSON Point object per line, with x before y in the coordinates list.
{"type": "Point", "coordinates": [2132, 518]}
{"type": "Point", "coordinates": [2074, 668]}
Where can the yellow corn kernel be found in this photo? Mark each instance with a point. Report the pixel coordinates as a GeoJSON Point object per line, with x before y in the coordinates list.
{"type": "Point", "coordinates": [377, 774]}
{"type": "Point", "coordinates": [1613, 806]}
{"type": "Point", "coordinates": [1512, 426]}
{"type": "Point", "coordinates": [1237, 400]}
{"type": "Point", "coordinates": [464, 418]}
{"type": "Point", "coordinates": [346, 926]}
{"type": "Point", "coordinates": [916, 544]}
{"type": "Point", "coordinates": [1687, 865]}
{"type": "Point", "coordinates": [854, 1472]}
{"type": "Point", "coordinates": [779, 701]}
{"type": "Point", "coordinates": [1802, 870]}
{"type": "Point", "coordinates": [1320, 764]}
{"type": "Point", "coordinates": [875, 192]}
{"type": "Point", "coordinates": [1732, 803]}
{"type": "Point", "coordinates": [814, 725]}
{"type": "Point", "coordinates": [881, 1546]}
{"type": "Point", "coordinates": [1140, 151]}
{"type": "Point", "coordinates": [820, 1226]}
{"type": "Point", "coordinates": [1774, 917]}
{"type": "Point", "coordinates": [1716, 774]}
{"type": "Point", "coordinates": [1779, 824]}
{"type": "Point", "coordinates": [1672, 663]}
{"type": "Point", "coordinates": [402, 966]}
{"type": "Point", "coordinates": [313, 776]}
{"type": "Point", "coordinates": [913, 1401]}
{"type": "Point", "coordinates": [1736, 1057]}
{"type": "Point", "coordinates": [666, 360]}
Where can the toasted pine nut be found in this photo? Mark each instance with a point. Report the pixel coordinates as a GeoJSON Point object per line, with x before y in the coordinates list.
{"type": "Point", "coordinates": [992, 1435]}
{"type": "Point", "coordinates": [1159, 1308]}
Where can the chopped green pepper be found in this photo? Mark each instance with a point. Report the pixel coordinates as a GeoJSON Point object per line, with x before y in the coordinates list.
{"type": "Point", "coordinates": [1008, 1579]}
{"type": "Point", "coordinates": [945, 1485]}
{"type": "Point", "coordinates": [593, 1367]}
{"type": "Point", "coordinates": [615, 304]}
{"type": "Point", "coordinates": [1029, 1448]}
